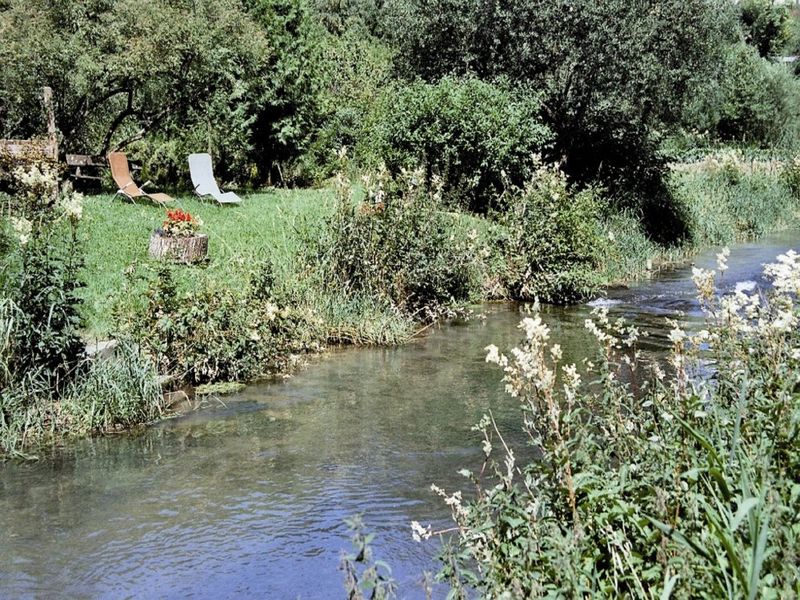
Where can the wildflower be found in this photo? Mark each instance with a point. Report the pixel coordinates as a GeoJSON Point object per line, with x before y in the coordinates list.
{"type": "Point", "coordinates": [722, 260]}
{"type": "Point", "coordinates": [573, 378]}
{"type": "Point", "coordinates": [785, 274]}
{"type": "Point", "coordinates": [784, 321]}
{"type": "Point", "coordinates": [23, 228]}
{"type": "Point", "coordinates": [72, 205]}
{"type": "Point", "coordinates": [677, 335]}
{"type": "Point", "coordinates": [272, 311]}
{"type": "Point", "coordinates": [704, 281]}
{"type": "Point", "coordinates": [535, 329]}
{"type": "Point", "coordinates": [555, 352]}
{"type": "Point", "coordinates": [493, 354]}
{"type": "Point", "coordinates": [419, 533]}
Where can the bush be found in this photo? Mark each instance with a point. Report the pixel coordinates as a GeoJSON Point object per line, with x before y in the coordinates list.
{"type": "Point", "coordinates": [791, 176]}
{"type": "Point", "coordinates": [213, 333]}
{"type": "Point", "coordinates": [41, 278]}
{"type": "Point", "coordinates": [398, 247]}
{"type": "Point", "coordinates": [732, 200]}
{"type": "Point", "coordinates": [644, 484]}
{"type": "Point", "coordinates": [475, 136]}
{"type": "Point", "coordinates": [551, 240]}
{"type": "Point", "coordinates": [610, 74]}
{"type": "Point", "coordinates": [753, 102]}
{"type": "Point", "coordinates": [47, 385]}
{"type": "Point", "coordinates": [766, 25]}
{"type": "Point", "coordinates": [355, 71]}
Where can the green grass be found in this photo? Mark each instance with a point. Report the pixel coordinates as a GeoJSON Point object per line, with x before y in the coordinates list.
{"type": "Point", "coordinates": [721, 208]}
{"type": "Point", "coordinates": [118, 233]}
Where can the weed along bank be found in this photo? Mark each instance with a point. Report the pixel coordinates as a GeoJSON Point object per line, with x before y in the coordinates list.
{"type": "Point", "coordinates": [311, 267]}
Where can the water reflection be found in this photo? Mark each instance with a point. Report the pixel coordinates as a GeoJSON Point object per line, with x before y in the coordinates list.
{"type": "Point", "coordinates": [248, 498]}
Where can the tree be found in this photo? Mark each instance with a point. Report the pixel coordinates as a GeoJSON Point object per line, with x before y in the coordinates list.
{"type": "Point", "coordinates": [612, 73]}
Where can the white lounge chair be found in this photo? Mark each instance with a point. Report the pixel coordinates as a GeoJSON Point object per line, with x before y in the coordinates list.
{"type": "Point", "coordinates": [202, 172]}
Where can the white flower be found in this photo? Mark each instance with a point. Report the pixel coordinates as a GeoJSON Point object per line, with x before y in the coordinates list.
{"type": "Point", "coordinates": [419, 533]}
{"type": "Point", "coordinates": [535, 329]}
{"type": "Point", "coordinates": [555, 352]}
{"type": "Point", "coordinates": [272, 311]}
{"type": "Point", "coordinates": [785, 274]}
{"type": "Point", "coordinates": [72, 205]}
{"type": "Point", "coordinates": [722, 259]}
{"type": "Point", "coordinates": [677, 335]}
{"type": "Point", "coordinates": [492, 354]}
{"type": "Point", "coordinates": [23, 228]}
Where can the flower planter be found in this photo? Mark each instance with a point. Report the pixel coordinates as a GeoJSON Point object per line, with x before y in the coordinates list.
{"type": "Point", "coordinates": [181, 249]}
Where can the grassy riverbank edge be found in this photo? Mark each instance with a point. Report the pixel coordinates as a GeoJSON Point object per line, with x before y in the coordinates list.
{"type": "Point", "coordinates": [296, 315]}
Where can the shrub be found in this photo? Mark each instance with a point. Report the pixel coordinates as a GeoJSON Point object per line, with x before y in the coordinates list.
{"type": "Point", "coordinates": [212, 333]}
{"type": "Point", "coordinates": [766, 25]}
{"type": "Point", "coordinates": [644, 484]}
{"type": "Point", "coordinates": [609, 74]}
{"type": "Point", "coordinates": [41, 277]}
{"type": "Point", "coordinates": [731, 200]}
{"type": "Point", "coordinates": [356, 69]}
{"type": "Point", "coordinates": [551, 239]}
{"type": "Point", "coordinates": [791, 176]}
{"type": "Point", "coordinates": [753, 101]}
{"type": "Point", "coordinates": [398, 247]}
{"type": "Point", "coordinates": [475, 136]}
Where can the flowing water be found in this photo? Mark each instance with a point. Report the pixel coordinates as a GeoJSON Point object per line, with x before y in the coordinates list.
{"type": "Point", "coordinates": [247, 497]}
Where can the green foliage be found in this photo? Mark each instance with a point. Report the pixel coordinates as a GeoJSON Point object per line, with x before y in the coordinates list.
{"type": "Point", "coordinates": [610, 74]}
{"type": "Point", "coordinates": [355, 72]}
{"type": "Point", "coordinates": [766, 25]}
{"type": "Point", "coordinates": [47, 332]}
{"type": "Point", "coordinates": [398, 247]}
{"type": "Point", "coordinates": [108, 395]}
{"type": "Point", "coordinates": [644, 484]}
{"type": "Point", "coordinates": [753, 102]}
{"type": "Point", "coordinates": [365, 577]}
{"type": "Point", "coordinates": [41, 279]}
{"type": "Point", "coordinates": [476, 137]}
{"type": "Point", "coordinates": [551, 239]}
{"type": "Point", "coordinates": [164, 79]}
{"type": "Point", "coordinates": [731, 200]}
{"type": "Point", "coordinates": [790, 175]}
{"type": "Point", "coordinates": [213, 333]}
{"type": "Point", "coordinates": [115, 393]}
{"type": "Point", "coordinates": [286, 106]}
{"type": "Point", "coordinates": [48, 387]}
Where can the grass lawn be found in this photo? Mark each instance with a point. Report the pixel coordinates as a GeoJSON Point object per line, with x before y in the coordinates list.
{"type": "Point", "coordinates": [118, 234]}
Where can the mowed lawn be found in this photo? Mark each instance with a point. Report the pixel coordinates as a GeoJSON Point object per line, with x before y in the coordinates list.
{"type": "Point", "coordinates": [240, 237]}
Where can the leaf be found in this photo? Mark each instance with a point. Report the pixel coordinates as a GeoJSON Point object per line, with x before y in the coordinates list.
{"type": "Point", "coordinates": [669, 585]}
{"type": "Point", "coordinates": [744, 509]}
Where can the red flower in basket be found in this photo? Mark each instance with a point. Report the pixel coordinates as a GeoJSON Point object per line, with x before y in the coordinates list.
{"type": "Point", "coordinates": [180, 223]}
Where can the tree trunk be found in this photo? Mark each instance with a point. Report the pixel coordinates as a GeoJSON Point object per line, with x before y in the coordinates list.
{"type": "Point", "coordinates": [185, 250]}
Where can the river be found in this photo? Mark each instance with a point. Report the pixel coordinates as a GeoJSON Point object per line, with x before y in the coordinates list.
{"type": "Point", "coordinates": [246, 498]}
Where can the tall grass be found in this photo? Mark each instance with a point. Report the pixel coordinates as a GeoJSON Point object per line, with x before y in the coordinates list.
{"type": "Point", "coordinates": [107, 395]}
{"type": "Point", "coordinates": [729, 202]}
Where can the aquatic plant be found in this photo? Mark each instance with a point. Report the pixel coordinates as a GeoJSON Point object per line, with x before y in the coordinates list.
{"type": "Point", "coordinates": [686, 486]}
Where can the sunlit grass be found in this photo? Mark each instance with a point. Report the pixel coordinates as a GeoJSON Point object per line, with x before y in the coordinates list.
{"type": "Point", "coordinates": [118, 232]}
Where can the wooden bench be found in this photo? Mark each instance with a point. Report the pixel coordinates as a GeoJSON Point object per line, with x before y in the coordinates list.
{"type": "Point", "coordinates": [84, 166]}
{"type": "Point", "coordinates": [89, 168]}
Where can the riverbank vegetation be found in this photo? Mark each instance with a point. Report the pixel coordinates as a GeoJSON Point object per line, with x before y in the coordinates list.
{"type": "Point", "coordinates": [672, 478]}
{"type": "Point", "coordinates": [458, 151]}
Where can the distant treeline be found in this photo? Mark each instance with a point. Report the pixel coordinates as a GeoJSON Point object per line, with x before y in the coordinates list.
{"type": "Point", "coordinates": [469, 90]}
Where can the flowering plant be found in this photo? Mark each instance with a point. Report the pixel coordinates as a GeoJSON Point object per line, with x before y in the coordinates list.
{"type": "Point", "coordinates": [180, 223]}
